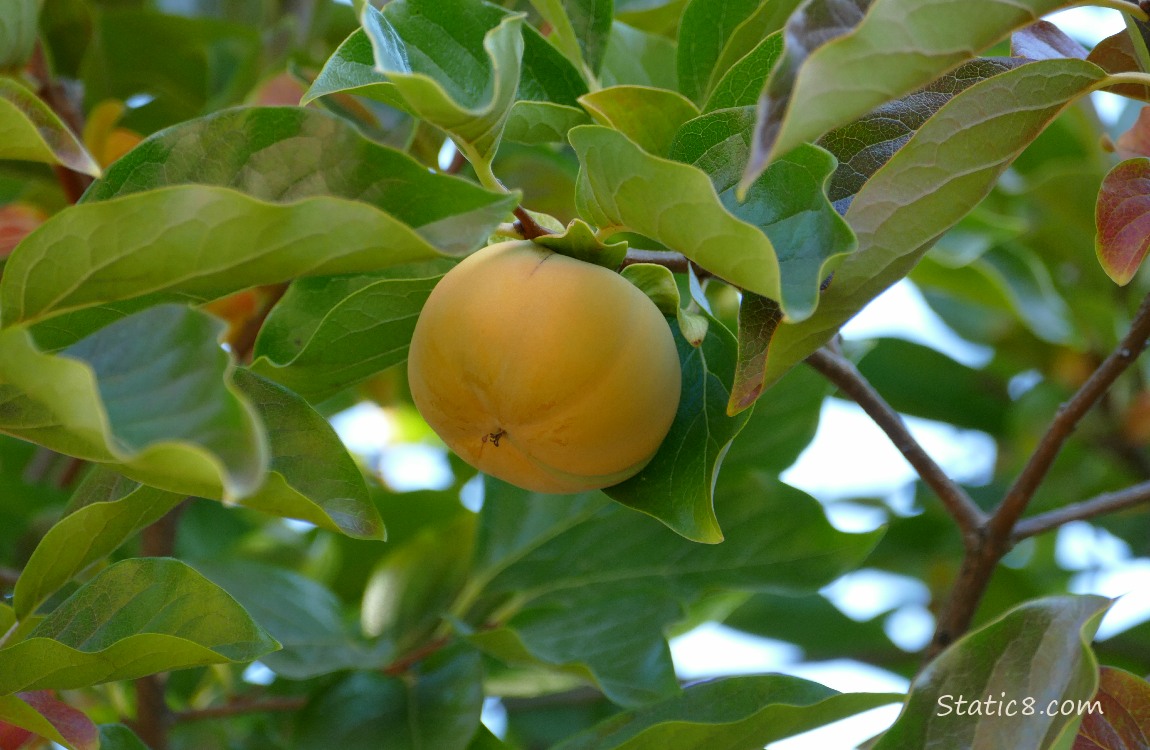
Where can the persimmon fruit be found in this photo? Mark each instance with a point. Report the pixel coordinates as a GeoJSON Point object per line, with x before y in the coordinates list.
{"type": "Point", "coordinates": [548, 372]}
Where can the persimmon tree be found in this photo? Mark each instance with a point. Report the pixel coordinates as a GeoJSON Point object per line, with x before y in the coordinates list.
{"type": "Point", "coordinates": [220, 222]}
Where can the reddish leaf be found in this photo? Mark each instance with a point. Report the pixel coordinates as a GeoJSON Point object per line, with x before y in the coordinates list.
{"type": "Point", "coordinates": [17, 220]}
{"type": "Point", "coordinates": [72, 723]}
{"type": "Point", "coordinates": [1115, 54]}
{"type": "Point", "coordinates": [1043, 40]}
{"type": "Point", "coordinates": [13, 737]}
{"type": "Point", "coordinates": [758, 319]}
{"type": "Point", "coordinates": [1123, 719]}
{"type": "Point", "coordinates": [1136, 140]}
{"type": "Point", "coordinates": [1122, 216]}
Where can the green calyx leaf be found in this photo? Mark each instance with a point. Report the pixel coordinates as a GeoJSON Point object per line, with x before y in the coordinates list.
{"type": "Point", "coordinates": [580, 241]}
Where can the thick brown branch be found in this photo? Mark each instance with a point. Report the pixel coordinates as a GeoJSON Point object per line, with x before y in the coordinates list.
{"type": "Point", "coordinates": [846, 377]}
{"type": "Point", "coordinates": [1099, 505]}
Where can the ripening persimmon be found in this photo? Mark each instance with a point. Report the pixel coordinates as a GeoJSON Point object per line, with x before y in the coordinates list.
{"type": "Point", "coordinates": [548, 372]}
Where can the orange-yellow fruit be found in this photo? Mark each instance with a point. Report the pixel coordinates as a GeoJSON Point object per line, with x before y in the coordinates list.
{"type": "Point", "coordinates": [550, 373]}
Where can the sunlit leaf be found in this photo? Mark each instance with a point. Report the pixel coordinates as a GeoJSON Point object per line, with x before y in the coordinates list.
{"type": "Point", "coordinates": [704, 31]}
{"type": "Point", "coordinates": [650, 117]}
{"type": "Point", "coordinates": [950, 163]}
{"type": "Point", "coordinates": [137, 617]}
{"type": "Point", "coordinates": [30, 131]}
{"type": "Point", "coordinates": [1035, 656]}
{"type": "Point", "coordinates": [638, 58]}
{"type": "Point", "coordinates": [1043, 40]}
{"type": "Point", "coordinates": [740, 86]}
{"type": "Point", "coordinates": [194, 242]}
{"type": "Point", "coordinates": [845, 57]}
{"type": "Point", "coordinates": [727, 714]}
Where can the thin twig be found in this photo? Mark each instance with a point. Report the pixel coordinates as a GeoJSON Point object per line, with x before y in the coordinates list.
{"type": "Point", "coordinates": [1099, 505]}
{"type": "Point", "coordinates": [1067, 418]}
{"type": "Point", "coordinates": [999, 533]}
{"type": "Point", "coordinates": [240, 707]}
{"type": "Point", "coordinates": [846, 377]}
{"type": "Point", "coordinates": [528, 227]}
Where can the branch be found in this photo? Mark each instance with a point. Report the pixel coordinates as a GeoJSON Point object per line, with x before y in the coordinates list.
{"type": "Point", "coordinates": [1099, 505]}
{"type": "Point", "coordinates": [528, 227]}
{"type": "Point", "coordinates": [999, 533]}
{"type": "Point", "coordinates": [1022, 491]}
{"type": "Point", "coordinates": [240, 707]}
{"type": "Point", "coordinates": [846, 377]}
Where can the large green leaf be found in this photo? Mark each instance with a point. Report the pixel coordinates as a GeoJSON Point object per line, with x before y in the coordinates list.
{"type": "Point", "coordinates": [576, 570]}
{"type": "Point", "coordinates": [622, 186]}
{"type": "Point", "coordinates": [90, 533]}
{"type": "Point", "coordinates": [436, 706]}
{"type": "Point", "coordinates": [580, 28]}
{"type": "Point", "coordinates": [137, 617]}
{"type": "Point", "coordinates": [454, 63]}
{"type": "Point", "coordinates": [332, 332]}
{"type": "Point", "coordinates": [194, 242]}
{"type": "Point", "coordinates": [1035, 656]}
{"type": "Point", "coordinates": [732, 713]}
{"type": "Point", "coordinates": [845, 57]}
{"type": "Point", "coordinates": [637, 58]}
{"type": "Point", "coordinates": [286, 154]}
{"type": "Point", "coordinates": [704, 31]}
{"type": "Point", "coordinates": [311, 475]}
{"type": "Point", "coordinates": [151, 393]}
{"type": "Point", "coordinates": [30, 131]}
{"type": "Point", "coordinates": [950, 163]}
{"type": "Point", "coordinates": [787, 203]}
{"type": "Point", "coordinates": [740, 86]}
{"type": "Point", "coordinates": [18, 32]}
{"type": "Point", "coordinates": [302, 615]}
{"type": "Point", "coordinates": [648, 116]}
{"type": "Point", "coordinates": [677, 485]}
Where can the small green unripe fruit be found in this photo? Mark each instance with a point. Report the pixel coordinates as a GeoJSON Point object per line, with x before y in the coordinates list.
{"type": "Point", "coordinates": [550, 373]}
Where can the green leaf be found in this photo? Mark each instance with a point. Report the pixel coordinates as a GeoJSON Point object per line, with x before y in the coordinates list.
{"type": "Point", "coordinates": [911, 377]}
{"type": "Point", "coordinates": [286, 154]}
{"type": "Point", "coordinates": [454, 63]}
{"type": "Point", "coordinates": [42, 714]}
{"type": "Point", "coordinates": [758, 319]}
{"type": "Point", "coordinates": [150, 392]}
{"type": "Point", "coordinates": [194, 242]}
{"type": "Point", "coordinates": [311, 475]}
{"type": "Point", "coordinates": [1123, 220]}
{"type": "Point", "coordinates": [727, 714]}
{"type": "Point", "coordinates": [704, 30]}
{"type": "Point", "coordinates": [953, 160]}
{"type": "Point", "coordinates": [119, 737]}
{"type": "Point", "coordinates": [741, 84]}
{"type": "Point", "coordinates": [578, 240]}
{"type": "Point", "coordinates": [533, 123]}
{"type": "Point", "coordinates": [787, 203]}
{"type": "Point", "coordinates": [676, 486]}
{"type": "Point", "coordinates": [137, 617]}
{"type": "Point", "coordinates": [864, 145]}
{"type": "Point", "coordinates": [781, 425]}
{"type": "Point", "coordinates": [622, 186]}
{"type": "Point", "coordinates": [18, 32]}
{"type": "Point", "coordinates": [637, 58]}
{"type": "Point", "coordinates": [580, 29]}
{"type": "Point", "coordinates": [332, 332]}
{"type": "Point", "coordinates": [30, 131]}
{"type": "Point", "coordinates": [629, 591]}
{"type": "Point", "coordinates": [89, 534]}
{"type": "Point", "coordinates": [1120, 715]}
{"type": "Point", "coordinates": [194, 65]}
{"type": "Point", "coordinates": [650, 117]}
{"type": "Point", "coordinates": [437, 706]}
{"type": "Point", "coordinates": [303, 615]}
{"type": "Point", "coordinates": [1037, 653]}
{"type": "Point", "coordinates": [845, 57]}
